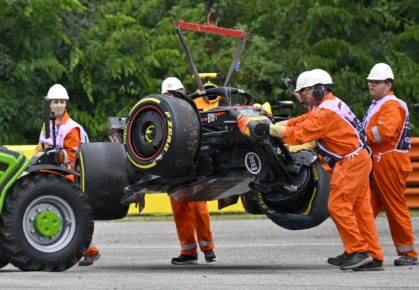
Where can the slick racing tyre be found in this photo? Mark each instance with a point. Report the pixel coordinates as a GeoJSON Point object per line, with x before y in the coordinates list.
{"type": "Point", "coordinates": [162, 135]}
{"type": "Point", "coordinates": [46, 223]}
{"type": "Point", "coordinates": [250, 203]}
{"type": "Point", "coordinates": [103, 176]}
{"type": "Point", "coordinates": [309, 210]}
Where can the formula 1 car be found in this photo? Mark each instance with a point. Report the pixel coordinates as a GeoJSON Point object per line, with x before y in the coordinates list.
{"type": "Point", "coordinates": [170, 146]}
{"type": "Point", "coordinates": [167, 145]}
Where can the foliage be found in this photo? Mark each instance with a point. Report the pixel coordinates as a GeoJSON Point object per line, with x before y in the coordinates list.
{"type": "Point", "coordinates": [109, 54]}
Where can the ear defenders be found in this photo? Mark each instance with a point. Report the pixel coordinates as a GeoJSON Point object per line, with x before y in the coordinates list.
{"type": "Point", "coordinates": [319, 91]}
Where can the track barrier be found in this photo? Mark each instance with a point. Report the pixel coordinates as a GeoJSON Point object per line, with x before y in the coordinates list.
{"type": "Point", "coordinates": [412, 184]}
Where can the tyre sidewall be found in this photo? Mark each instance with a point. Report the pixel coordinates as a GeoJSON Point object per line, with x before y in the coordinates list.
{"type": "Point", "coordinates": [39, 185]}
{"type": "Point", "coordinates": [4, 261]}
{"type": "Point", "coordinates": [104, 173]}
{"type": "Point", "coordinates": [182, 135]}
{"type": "Point", "coordinates": [317, 213]}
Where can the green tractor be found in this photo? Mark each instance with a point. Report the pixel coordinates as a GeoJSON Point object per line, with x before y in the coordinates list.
{"type": "Point", "coordinates": [46, 221]}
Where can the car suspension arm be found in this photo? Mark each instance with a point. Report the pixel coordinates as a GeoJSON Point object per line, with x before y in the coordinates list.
{"type": "Point", "coordinates": [198, 79]}
{"type": "Point", "coordinates": [276, 164]}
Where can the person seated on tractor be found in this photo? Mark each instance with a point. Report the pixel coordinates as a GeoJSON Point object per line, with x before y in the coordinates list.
{"type": "Point", "coordinates": [66, 135]}
{"type": "Point", "coordinates": [191, 218]}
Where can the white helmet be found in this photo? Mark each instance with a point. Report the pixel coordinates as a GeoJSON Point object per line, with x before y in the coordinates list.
{"type": "Point", "coordinates": [171, 83]}
{"type": "Point", "coordinates": [57, 92]}
{"type": "Point", "coordinates": [301, 81]}
{"type": "Point", "coordinates": [381, 72]}
{"type": "Point", "coordinates": [317, 76]}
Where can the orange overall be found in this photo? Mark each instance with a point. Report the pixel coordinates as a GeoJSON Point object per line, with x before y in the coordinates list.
{"type": "Point", "coordinates": [349, 198]}
{"type": "Point", "coordinates": [389, 174]}
{"type": "Point", "coordinates": [192, 218]}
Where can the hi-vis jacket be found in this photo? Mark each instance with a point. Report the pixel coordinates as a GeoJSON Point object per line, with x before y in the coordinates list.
{"type": "Point", "coordinates": [383, 126]}
{"type": "Point", "coordinates": [388, 132]}
{"type": "Point", "coordinates": [340, 137]}
{"type": "Point", "coordinates": [334, 141]}
{"type": "Point", "coordinates": [69, 135]}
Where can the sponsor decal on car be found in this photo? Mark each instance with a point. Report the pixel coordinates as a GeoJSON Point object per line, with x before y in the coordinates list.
{"type": "Point", "coordinates": [253, 163]}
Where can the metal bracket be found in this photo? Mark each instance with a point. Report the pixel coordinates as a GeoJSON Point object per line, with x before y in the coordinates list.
{"type": "Point", "coordinates": [214, 29]}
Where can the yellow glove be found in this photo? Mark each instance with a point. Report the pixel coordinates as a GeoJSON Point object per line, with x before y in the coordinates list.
{"type": "Point", "coordinates": [277, 130]}
{"type": "Point", "coordinates": [297, 148]}
{"type": "Point", "coordinates": [39, 148]}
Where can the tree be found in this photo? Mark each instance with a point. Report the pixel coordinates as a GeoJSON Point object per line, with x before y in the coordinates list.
{"type": "Point", "coordinates": [109, 54]}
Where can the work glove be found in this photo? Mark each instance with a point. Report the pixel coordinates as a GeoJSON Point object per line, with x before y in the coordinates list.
{"type": "Point", "coordinates": [278, 129]}
{"type": "Point", "coordinates": [43, 147]}
{"type": "Point", "coordinates": [298, 148]}
{"type": "Point", "coordinates": [282, 123]}
{"type": "Point", "coordinates": [39, 148]}
{"type": "Point", "coordinates": [257, 127]}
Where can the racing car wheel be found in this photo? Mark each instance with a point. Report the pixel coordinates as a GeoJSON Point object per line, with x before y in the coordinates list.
{"type": "Point", "coordinates": [162, 135]}
{"type": "Point", "coordinates": [311, 211]}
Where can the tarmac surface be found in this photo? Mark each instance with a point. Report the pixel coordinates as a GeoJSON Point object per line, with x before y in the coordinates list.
{"type": "Point", "coordinates": [252, 254]}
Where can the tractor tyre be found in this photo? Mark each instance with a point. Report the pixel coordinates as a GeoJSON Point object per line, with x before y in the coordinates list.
{"type": "Point", "coordinates": [104, 173]}
{"type": "Point", "coordinates": [46, 223]}
{"type": "Point", "coordinates": [3, 259]}
{"type": "Point", "coordinates": [163, 136]}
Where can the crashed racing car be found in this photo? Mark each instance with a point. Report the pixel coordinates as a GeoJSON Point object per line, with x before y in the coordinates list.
{"type": "Point", "coordinates": [168, 145]}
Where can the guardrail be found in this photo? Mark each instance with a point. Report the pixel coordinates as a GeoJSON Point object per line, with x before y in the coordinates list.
{"type": "Point", "coordinates": [159, 203]}
{"type": "Point", "coordinates": [412, 184]}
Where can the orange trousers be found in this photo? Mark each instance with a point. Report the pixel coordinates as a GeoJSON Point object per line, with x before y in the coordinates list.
{"type": "Point", "coordinates": [92, 250]}
{"type": "Point", "coordinates": [349, 205]}
{"type": "Point", "coordinates": [388, 185]}
{"type": "Point", "coordinates": [192, 223]}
